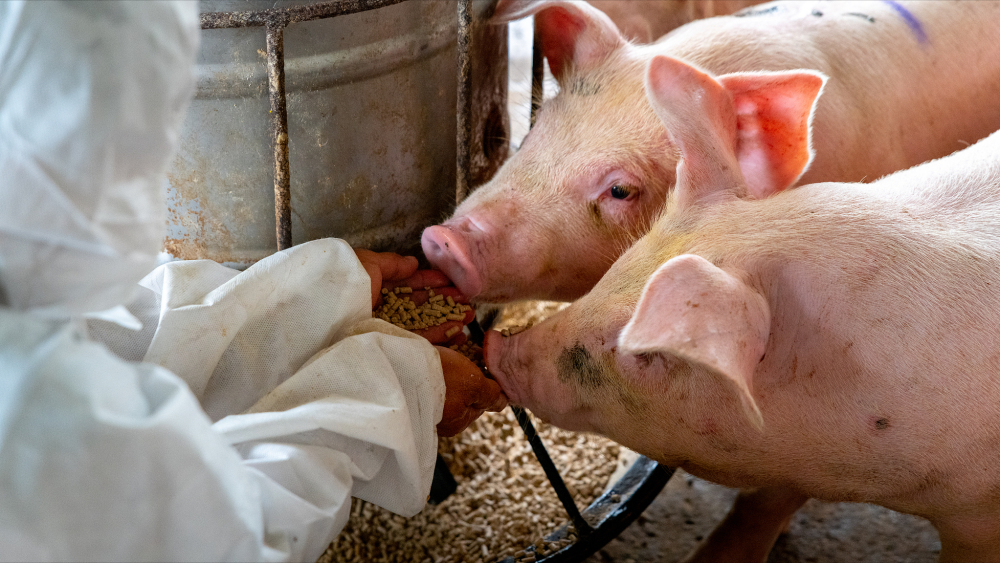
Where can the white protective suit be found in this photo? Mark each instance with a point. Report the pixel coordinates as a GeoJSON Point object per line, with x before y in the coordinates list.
{"type": "Point", "coordinates": [266, 398]}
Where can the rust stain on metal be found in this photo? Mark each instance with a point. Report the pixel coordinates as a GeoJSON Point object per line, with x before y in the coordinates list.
{"type": "Point", "coordinates": [279, 135]}
{"type": "Point", "coordinates": [206, 233]}
{"type": "Point", "coordinates": [185, 249]}
{"type": "Point", "coordinates": [285, 16]}
{"type": "Point", "coordinates": [464, 100]}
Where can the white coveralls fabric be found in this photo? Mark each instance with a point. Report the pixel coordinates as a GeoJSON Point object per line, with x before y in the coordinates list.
{"type": "Point", "coordinates": [267, 397]}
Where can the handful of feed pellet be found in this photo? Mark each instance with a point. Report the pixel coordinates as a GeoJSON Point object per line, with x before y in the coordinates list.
{"type": "Point", "coordinates": [399, 310]}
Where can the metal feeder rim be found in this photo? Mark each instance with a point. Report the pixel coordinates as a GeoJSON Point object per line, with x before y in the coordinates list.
{"type": "Point", "coordinates": [611, 512]}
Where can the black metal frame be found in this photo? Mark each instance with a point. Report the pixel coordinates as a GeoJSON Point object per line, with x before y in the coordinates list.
{"type": "Point", "coordinates": [611, 513]}
{"type": "Point", "coordinates": [607, 516]}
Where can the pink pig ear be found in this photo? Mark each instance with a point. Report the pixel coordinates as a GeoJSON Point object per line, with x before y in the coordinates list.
{"type": "Point", "coordinates": [698, 114]}
{"type": "Point", "coordinates": [573, 34]}
{"type": "Point", "coordinates": [746, 134]}
{"type": "Point", "coordinates": [774, 113]}
{"type": "Point", "coordinates": [696, 311]}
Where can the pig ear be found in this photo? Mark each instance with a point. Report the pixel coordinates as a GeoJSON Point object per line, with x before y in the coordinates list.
{"type": "Point", "coordinates": [698, 114]}
{"type": "Point", "coordinates": [573, 34]}
{"type": "Point", "coordinates": [773, 125]}
{"type": "Point", "coordinates": [698, 312]}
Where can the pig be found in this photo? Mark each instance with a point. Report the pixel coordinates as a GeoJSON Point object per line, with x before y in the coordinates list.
{"type": "Point", "coordinates": [644, 21]}
{"type": "Point", "coordinates": [835, 341]}
{"type": "Point", "coordinates": [908, 82]}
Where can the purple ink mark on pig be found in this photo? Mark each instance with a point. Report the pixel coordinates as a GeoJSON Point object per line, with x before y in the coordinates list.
{"type": "Point", "coordinates": [910, 20]}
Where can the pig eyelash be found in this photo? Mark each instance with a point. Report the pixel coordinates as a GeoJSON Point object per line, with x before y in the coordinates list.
{"type": "Point", "coordinates": [622, 191]}
{"type": "Point", "coordinates": [618, 191]}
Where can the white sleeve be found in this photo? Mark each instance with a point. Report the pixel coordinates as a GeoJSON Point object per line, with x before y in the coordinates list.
{"type": "Point", "coordinates": [317, 401]}
{"type": "Point", "coordinates": [103, 460]}
{"type": "Point", "coordinates": [286, 357]}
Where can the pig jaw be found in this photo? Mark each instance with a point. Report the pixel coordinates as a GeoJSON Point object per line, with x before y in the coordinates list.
{"type": "Point", "coordinates": [530, 381]}
{"type": "Point", "coordinates": [566, 370]}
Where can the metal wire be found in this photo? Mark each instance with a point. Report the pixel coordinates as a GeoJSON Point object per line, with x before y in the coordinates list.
{"type": "Point", "coordinates": [582, 527]}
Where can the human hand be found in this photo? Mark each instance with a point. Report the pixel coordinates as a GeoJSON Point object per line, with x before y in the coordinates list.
{"type": "Point", "coordinates": [383, 268]}
{"type": "Point", "coordinates": [388, 270]}
{"type": "Point", "coordinates": [468, 393]}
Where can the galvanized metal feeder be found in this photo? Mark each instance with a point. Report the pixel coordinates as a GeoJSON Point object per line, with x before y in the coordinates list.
{"type": "Point", "coordinates": [306, 121]}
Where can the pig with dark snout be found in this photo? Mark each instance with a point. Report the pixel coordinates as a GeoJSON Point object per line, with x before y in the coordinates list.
{"type": "Point", "coordinates": [840, 342]}
{"type": "Point", "coordinates": [908, 82]}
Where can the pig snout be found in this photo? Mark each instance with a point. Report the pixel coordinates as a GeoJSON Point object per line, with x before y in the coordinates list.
{"type": "Point", "coordinates": [448, 249]}
{"type": "Point", "coordinates": [526, 372]}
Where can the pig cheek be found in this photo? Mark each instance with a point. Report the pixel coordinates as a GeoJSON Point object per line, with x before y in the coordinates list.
{"type": "Point", "coordinates": [511, 253]}
{"type": "Point", "coordinates": [579, 263]}
{"type": "Point", "coordinates": [556, 402]}
{"type": "Point", "coordinates": [559, 401]}
{"type": "Point", "coordinates": [534, 262]}
{"type": "Point", "coordinates": [528, 377]}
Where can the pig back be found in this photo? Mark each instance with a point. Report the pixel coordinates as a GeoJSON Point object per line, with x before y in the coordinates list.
{"type": "Point", "coordinates": [909, 81]}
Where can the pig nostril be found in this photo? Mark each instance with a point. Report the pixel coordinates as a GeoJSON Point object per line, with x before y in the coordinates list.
{"type": "Point", "coordinates": [446, 250]}
{"type": "Point", "coordinates": [432, 245]}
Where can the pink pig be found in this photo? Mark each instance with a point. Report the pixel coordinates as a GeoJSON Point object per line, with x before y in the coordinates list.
{"type": "Point", "coordinates": [907, 82]}
{"type": "Point", "coordinates": [836, 341]}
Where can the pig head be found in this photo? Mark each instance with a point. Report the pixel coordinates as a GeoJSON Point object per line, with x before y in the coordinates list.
{"type": "Point", "coordinates": [592, 175]}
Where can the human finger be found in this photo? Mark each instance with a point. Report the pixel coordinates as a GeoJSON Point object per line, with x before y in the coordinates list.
{"type": "Point", "coordinates": [420, 279]}
{"type": "Point", "coordinates": [489, 396]}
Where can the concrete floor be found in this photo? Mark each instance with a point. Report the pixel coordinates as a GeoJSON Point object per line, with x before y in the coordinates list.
{"type": "Point", "coordinates": [688, 508]}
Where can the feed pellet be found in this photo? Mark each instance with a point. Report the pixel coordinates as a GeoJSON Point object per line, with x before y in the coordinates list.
{"type": "Point", "coordinates": [503, 503]}
{"type": "Point", "coordinates": [404, 313]}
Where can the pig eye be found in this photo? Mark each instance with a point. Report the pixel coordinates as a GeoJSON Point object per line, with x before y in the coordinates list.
{"type": "Point", "coordinates": [619, 191]}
